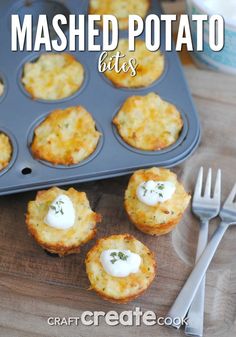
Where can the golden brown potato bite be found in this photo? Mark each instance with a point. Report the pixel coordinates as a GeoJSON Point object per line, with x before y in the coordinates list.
{"type": "Point", "coordinates": [65, 137]}
{"type": "Point", "coordinates": [53, 76]}
{"type": "Point", "coordinates": [121, 9]}
{"type": "Point", "coordinates": [120, 289]}
{"type": "Point", "coordinates": [161, 217]}
{"type": "Point", "coordinates": [5, 150]}
{"type": "Point", "coordinates": [57, 240]}
{"type": "Point", "coordinates": [148, 122]}
{"type": "Point", "coordinates": [150, 65]}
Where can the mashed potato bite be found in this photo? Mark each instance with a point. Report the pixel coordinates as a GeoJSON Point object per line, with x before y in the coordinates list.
{"type": "Point", "coordinates": [120, 289]}
{"type": "Point", "coordinates": [53, 76]}
{"type": "Point", "coordinates": [5, 150]}
{"type": "Point", "coordinates": [148, 122]}
{"type": "Point", "coordinates": [65, 137]}
{"type": "Point", "coordinates": [61, 241]}
{"type": "Point", "coordinates": [121, 9]}
{"type": "Point", "coordinates": [162, 217]}
{"type": "Point", "coordinates": [150, 65]}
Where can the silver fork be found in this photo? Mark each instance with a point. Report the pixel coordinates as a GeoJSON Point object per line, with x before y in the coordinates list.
{"type": "Point", "coordinates": [205, 208]}
{"type": "Point", "coordinates": [185, 297]}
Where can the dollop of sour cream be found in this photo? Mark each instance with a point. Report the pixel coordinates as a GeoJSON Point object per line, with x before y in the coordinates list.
{"type": "Point", "coordinates": [61, 213]}
{"type": "Point", "coordinates": [152, 192]}
{"type": "Point", "coordinates": [120, 263]}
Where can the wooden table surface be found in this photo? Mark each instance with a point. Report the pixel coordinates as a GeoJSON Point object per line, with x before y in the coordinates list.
{"type": "Point", "coordinates": [35, 286]}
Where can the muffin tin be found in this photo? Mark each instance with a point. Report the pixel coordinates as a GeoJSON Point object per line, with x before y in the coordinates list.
{"type": "Point", "coordinates": [19, 114]}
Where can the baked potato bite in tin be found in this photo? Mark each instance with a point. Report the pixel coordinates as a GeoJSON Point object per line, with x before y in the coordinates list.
{"type": "Point", "coordinates": [53, 76]}
{"type": "Point", "coordinates": [61, 221]}
{"type": "Point", "coordinates": [150, 65]}
{"type": "Point", "coordinates": [5, 151]}
{"type": "Point", "coordinates": [155, 200]}
{"type": "Point", "coordinates": [148, 122]}
{"type": "Point", "coordinates": [121, 9]}
{"type": "Point", "coordinates": [65, 137]}
{"type": "Point", "coordinates": [120, 268]}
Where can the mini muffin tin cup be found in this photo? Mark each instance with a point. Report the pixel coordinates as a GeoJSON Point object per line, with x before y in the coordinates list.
{"type": "Point", "coordinates": [20, 114]}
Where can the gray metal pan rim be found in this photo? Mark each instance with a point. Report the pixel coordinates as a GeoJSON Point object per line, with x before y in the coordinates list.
{"type": "Point", "coordinates": [182, 137]}
{"type": "Point", "coordinates": [187, 153]}
{"type": "Point", "coordinates": [167, 163]}
{"type": "Point", "coordinates": [3, 80]}
{"type": "Point", "coordinates": [177, 157]}
{"type": "Point", "coordinates": [164, 164]}
{"type": "Point", "coordinates": [14, 149]}
{"type": "Point", "coordinates": [34, 57]}
{"type": "Point", "coordinates": [170, 163]}
{"type": "Point", "coordinates": [64, 167]}
{"type": "Point", "coordinates": [92, 178]}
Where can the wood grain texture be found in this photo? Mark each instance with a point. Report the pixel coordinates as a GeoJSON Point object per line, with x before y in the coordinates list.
{"type": "Point", "coordinates": [35, 286]}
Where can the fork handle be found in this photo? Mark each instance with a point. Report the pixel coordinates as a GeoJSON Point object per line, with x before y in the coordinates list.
{"type": "Point", "coordinates": [195, 314]}
{"type": "Point", "coordinates": [183, 301]}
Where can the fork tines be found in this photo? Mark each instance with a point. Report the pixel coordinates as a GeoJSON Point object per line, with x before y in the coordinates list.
{"type": "Point", "coordinates": [199, 194]}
